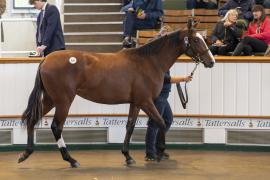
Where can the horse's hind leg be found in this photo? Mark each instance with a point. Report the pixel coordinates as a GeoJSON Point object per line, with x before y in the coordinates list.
{"type": "Point", "coordinates": [150, 109]}
{"type": "Point", "coordinates": [47, 105]}
{"type": "Point", "coordinates": [61, 113]}
{"type": "Point", "coordinates": [132, 117]}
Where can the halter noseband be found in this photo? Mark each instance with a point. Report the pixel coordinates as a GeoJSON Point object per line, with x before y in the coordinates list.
{"type": "Point", "coordinates": [197, 57]}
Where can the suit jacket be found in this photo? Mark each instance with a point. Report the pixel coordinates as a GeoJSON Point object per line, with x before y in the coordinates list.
{"type": "Point", "coordinates": [51, 30]}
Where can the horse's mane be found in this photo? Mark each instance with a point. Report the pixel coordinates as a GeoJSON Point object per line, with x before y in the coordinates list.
{"type": "Point", "coordinates": [154, 46]}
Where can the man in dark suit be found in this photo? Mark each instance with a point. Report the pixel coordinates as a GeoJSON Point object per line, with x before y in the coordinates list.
{"type": "Point", "coordinates": [49, 36]}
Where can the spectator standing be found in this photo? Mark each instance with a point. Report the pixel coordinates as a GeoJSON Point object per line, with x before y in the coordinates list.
{"type": "Point", "coordinates": [49, 35]}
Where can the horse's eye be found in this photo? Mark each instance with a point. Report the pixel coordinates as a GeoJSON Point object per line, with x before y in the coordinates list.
{"type": "Point", "coordinates": [196, 40]}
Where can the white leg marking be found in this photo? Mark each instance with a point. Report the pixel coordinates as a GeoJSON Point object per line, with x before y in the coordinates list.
{"type": "Point", "coordinates": [61, 142]}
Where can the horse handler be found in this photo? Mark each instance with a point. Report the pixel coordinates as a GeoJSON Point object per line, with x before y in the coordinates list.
{"type": "Point", "coordinates": [163, 107]}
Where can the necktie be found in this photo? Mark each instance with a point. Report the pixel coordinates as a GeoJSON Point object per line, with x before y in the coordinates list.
{"type": "Point", "coordinates": [39, 26]}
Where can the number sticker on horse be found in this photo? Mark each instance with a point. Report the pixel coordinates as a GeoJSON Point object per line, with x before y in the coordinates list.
{"type": "Point", "coordinates": [72, 60]}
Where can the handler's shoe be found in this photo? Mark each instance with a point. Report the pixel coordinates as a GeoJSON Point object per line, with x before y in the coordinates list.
{"type": "Point", "coordinates": [165, 156]}
{"type": "Point", "coordinates": [150, 157]}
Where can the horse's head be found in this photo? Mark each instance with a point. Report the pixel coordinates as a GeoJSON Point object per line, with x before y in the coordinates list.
{"type": "Point", "coordinates": [196, 47]}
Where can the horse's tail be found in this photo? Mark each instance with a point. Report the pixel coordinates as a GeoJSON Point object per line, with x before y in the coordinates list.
{"type": "Point", "coordinates": [33, 114]}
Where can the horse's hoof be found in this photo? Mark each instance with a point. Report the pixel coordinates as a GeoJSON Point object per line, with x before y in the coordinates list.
{"type": "Point", "coordinates": [75, 165]}
{"type": "Point", "coordinates": [130, 161]}
{"type": "Point", "coordinates": [22, 157]}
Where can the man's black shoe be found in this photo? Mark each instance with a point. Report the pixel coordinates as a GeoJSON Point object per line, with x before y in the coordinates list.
{"type": "Point", "coordinates": [150, 157]}
{"type": "Point", "coordinates": [164, 156]}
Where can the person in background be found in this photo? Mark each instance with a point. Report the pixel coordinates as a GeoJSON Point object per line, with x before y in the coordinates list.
{"type": "Point", "coordinates": [49, 35]}
{"type": "Point", "coordinates": [226, 34]}
{"type": "Point", "coordinates": [257, 37]}
{"type": "Point", "coordinates": [163, 107]}
{"type": "Point", "coordinates": [264, 3]}
{"type": "Point", "coordinates": [201, 4]}
{"type": "Point", "coordinates": [140, 14]}
{"type": "Point", "coordinates": [243, 6]}
{"type": "Point", "coordinates": [126, 2]}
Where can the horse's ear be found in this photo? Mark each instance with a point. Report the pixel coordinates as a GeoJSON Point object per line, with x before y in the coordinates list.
{"type": "Point", "coordinates": [190, 26]}
{"type": "Point", "coordinates": [189, 23]}
{"type": "Point", "coordinates": [196, 21]}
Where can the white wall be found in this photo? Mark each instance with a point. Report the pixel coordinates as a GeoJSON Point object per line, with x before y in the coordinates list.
{"type": "Point", "coordinates": [227, 89]}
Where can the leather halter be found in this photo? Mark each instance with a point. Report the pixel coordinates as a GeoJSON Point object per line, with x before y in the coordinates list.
{"type": "Point", "coordinates": [197, 56]}
{"type": "Point", "coordinates": [197, 60]}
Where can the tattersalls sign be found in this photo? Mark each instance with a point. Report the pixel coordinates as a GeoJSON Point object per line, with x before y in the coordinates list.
{"type": "Point", "coordinates": [9, 123]}
{"type": "Point", "coordinates": [231, 123]}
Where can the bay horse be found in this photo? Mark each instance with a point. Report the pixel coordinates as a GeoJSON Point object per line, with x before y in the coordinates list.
{"type": "Point", "coordinates": [132, 76]}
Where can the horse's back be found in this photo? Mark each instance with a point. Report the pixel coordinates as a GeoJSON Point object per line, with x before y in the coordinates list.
{"type": "Point", "coordinates": [83, 71]}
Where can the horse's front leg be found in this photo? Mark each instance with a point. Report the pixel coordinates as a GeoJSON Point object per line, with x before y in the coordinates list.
{"type": "Point", "coordinates": [132, 117]}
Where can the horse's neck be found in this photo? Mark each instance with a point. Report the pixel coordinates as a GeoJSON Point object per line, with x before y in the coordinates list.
{"type": "Point", "coordinates": [162, 52]}
{"type": "Point", "coordinates": [167, 56]}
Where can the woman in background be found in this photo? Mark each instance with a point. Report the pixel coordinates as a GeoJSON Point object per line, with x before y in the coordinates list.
{"type": "Point", "coordinates": [257, 37]}
{"type": "Point", "coordinates": [226, 34]}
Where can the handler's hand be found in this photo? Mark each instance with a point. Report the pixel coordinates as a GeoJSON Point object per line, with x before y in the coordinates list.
{"type": "Point", "coordinates": [178, 79]}
{"type": "Point", "coordinates": [40, 49]}
{"type": "Point", "coordinates": [188, 78]}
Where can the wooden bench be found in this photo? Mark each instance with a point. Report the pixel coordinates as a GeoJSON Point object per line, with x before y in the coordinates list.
{"type": "Point", "coordinates": [183, 58]}
{"type": "Point", "coordinates": [174, 18]}
{"type": "Point", "coordinates": [145, 35]}
{"type": "Point", "coordinates": [208, 19]}
{"type": "Point", "coordinates": [177, 19]}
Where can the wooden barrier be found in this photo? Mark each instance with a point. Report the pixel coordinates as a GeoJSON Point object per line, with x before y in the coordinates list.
{"type": "Point", "coordinates": [16, 60]}
{"type": "Point", "coordinates": [183, 58]}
